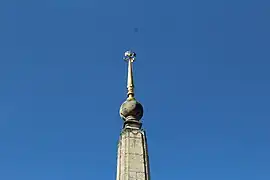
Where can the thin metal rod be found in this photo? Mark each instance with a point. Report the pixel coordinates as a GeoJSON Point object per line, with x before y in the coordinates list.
{"type": "Point", "coordinates": [130, 81]}
{"type": "Point", "coordinates": [130, 58]}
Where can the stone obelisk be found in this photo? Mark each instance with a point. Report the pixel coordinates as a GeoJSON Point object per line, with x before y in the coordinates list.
{"type": "Point", "coordinates": [132, 159]}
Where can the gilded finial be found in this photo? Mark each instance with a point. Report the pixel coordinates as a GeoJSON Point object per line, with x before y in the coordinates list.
{"type": "Point", "coordinates": [130, 58]}
{"type": "Point", "coordinates": [131, 111]}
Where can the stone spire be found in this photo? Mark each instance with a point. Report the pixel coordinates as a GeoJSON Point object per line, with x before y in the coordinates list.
{"type": "Point", "coordinates": [132, 160]}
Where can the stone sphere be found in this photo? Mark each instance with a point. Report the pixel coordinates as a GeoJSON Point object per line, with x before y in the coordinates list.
{"type": "Point", "coordinates": [131, 109]}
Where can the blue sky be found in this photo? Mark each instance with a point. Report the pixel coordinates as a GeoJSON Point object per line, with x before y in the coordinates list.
{"type": "Point", "coordinates": [202, 74]}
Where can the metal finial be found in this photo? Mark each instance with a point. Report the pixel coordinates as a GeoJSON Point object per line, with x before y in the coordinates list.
{"type": "Point", "coordinates": [130, 57]}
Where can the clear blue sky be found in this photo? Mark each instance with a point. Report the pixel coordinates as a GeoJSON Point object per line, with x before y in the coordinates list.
{"type": "Point", "coordinates": [202, 74]}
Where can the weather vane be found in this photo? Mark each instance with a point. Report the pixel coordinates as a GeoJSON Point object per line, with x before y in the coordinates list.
{"type": "Point", "coordinates": [130, 56]}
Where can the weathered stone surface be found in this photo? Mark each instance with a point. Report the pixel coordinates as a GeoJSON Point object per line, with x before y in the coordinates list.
{"type": "Point", "coordinates": [132, 162]}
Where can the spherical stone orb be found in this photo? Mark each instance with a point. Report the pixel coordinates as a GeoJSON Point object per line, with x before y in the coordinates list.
{"type": "Point", "coordinates": [131, 109]}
